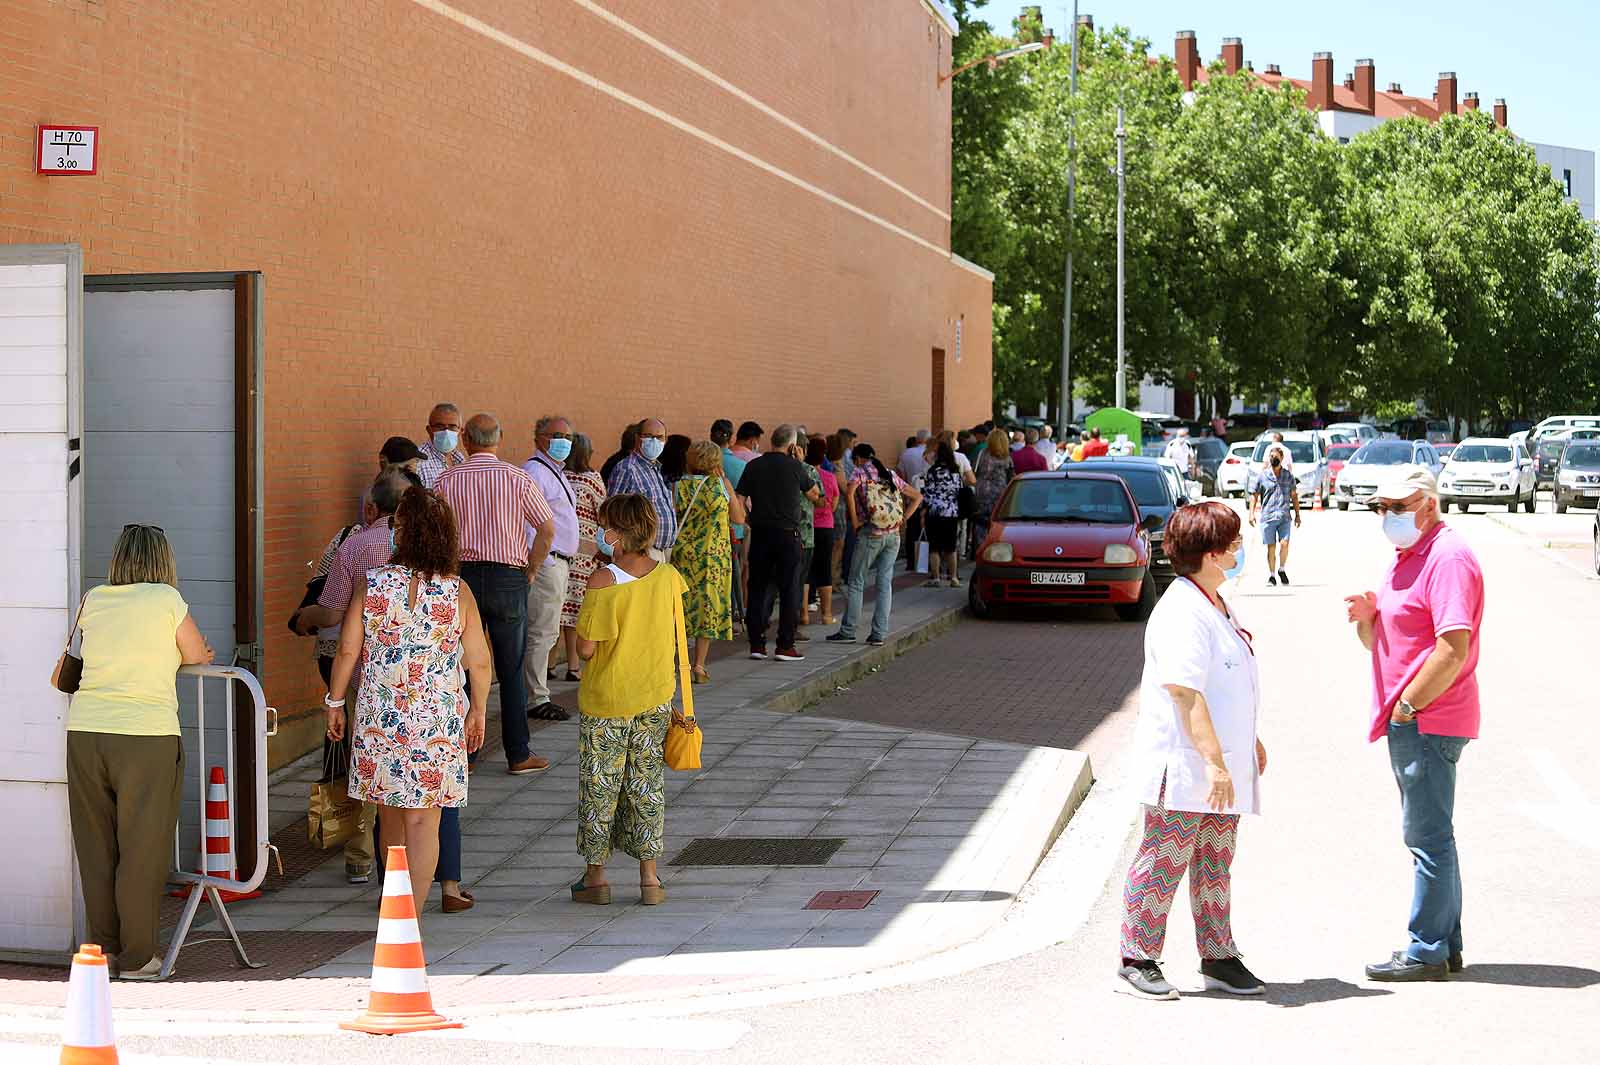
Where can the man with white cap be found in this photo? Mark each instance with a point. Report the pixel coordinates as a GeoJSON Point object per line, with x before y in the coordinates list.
{"type": "Point", "coordinates": [1422, 628]}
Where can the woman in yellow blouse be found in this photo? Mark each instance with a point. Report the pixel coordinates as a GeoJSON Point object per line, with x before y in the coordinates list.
{"type": "Point", "coordinates": [628, 633]}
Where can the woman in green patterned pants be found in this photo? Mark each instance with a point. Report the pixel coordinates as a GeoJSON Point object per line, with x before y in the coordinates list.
{"type": "Point", "coordinates": [628, 634]}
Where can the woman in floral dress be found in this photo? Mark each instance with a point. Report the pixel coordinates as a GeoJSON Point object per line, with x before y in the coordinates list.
{"type": "Point", "coordinates": [589, 491]}
{"type": "Point", "coordinates": [706, 503]}
{"type": "Point", "coordinates": [413, 631]}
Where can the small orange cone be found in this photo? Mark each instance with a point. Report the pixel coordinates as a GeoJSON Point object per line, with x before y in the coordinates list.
{"type": "Point", "coordinates": [88, 1039]}
{"type": "Point", "coordinates": [219, 839]}
{"type": "Point", "coordinates": [400, 1001]}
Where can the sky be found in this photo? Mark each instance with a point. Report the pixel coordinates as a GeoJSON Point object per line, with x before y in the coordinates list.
{"type": "Point", "coordinates": [1543, 56]}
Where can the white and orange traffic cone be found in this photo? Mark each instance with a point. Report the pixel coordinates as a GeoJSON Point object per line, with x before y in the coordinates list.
{"type": "Point", "coordinates": [400, 1001]}
{"type": "Point", "coordinates": [219, 839]}
{"type": "Point", "coordinates": [88, 1039]}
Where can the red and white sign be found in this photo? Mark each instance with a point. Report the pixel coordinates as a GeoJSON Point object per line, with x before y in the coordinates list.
{"type": "Point", "coordinates": [69, 149]}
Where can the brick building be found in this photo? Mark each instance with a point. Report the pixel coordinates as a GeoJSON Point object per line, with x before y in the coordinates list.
{"type": "Point", "coordinates": [308, 222]}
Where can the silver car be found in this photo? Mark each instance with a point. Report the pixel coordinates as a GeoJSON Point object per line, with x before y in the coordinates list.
{"type": "Point", "coordinates": [1308, 461]}
{"type": "Point", "coordinates": [1360, 476]}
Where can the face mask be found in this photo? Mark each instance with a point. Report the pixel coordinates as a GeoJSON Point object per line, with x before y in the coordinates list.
{"type": "Point", "coordinates": [445, 440]}
{"type": "Point", "coordinates": [1401, 529]}
{"type": "Point", "coordinates": [1276, 462]}
{"type": "Point", "coordinates": [651, 448]}
{"type": "Point", "coordinates": [559, 449]}
{"type": "Point", "coordinates": [606, 549]}
{"type": "Point", "coordinates": [1237, 568]}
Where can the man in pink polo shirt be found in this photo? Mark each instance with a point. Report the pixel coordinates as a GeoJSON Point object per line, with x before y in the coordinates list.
{"type": "Point", "coordinates": [1422, 628]}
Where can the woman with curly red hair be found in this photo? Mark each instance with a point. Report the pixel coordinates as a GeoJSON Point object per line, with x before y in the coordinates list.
{"type": "Point", "coordinates": [412, 632]}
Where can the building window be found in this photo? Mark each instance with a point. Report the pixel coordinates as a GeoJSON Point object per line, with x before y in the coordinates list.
{"type": "Point", "coordinates": [1344, 140]}
{"type": "Point", "coordinates": [1566, 181]}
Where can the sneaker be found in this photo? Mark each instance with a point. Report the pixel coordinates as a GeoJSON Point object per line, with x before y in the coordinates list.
{"type": "Point", "coordinates": [874, 641]}
{"type": "Point", "coordinates": [1272, 582]}
{"type": "Point", "coordinates": [1142, 978]}
{"type": "Point", "coordinates": [789, 654]}
{"type": "Point", "coordinates": [1402, 969]}
{"type": "Point", "coordinates": [151, 971]}
{"type": "Point", "coordinates": [1230, 975]}
{"type": "Point", "coordinates": [1283, 578]}
{"type": "Point", "coordinates": [357, 875]}
{"type": "Point", "coordinates": [758, 653]}
{"type": "Point", "coordinates": [840, 637]}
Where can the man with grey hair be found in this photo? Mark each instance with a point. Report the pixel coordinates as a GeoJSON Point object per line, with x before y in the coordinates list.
{"type": "Point", "coordinates": [442, 449]}
{"type": "Point", "coordinates": [640, 472]}
{"type": "Point", "coordinates": [776, 486]}
{"type": "Point", "coordinates": [495, 504]}
{"type": "Point", "coordinates": [552, 443]}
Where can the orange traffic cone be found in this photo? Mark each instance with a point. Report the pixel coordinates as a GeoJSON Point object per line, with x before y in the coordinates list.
{"type": "Point", "coordinates": [219, 839]}
{"type": "Point", "coordinates": [88, 1039]}
{"type": "Point", "coordinates": [400, 1001]}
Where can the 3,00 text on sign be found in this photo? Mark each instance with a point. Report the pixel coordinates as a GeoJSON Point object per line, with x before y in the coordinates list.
{"type": "Point", "coordinates": [69, 149]}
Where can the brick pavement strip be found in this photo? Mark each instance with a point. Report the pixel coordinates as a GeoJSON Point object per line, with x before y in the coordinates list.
{"type": "Point", "coordinates": [947, 828]}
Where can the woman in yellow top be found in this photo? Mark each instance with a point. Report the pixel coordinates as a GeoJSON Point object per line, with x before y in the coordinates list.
{"type": "Point", "coordinates": [124, 750]}
{"type": "Point", "coordinates": [628, 634]}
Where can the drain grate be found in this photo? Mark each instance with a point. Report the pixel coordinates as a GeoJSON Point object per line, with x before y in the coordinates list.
{"type": "Point", "coordinates": [749, 850]}
{"type": "Point", "coordinates": [841, 900]}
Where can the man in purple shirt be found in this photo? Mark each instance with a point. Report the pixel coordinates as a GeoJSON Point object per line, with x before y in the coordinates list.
{"type": "Point", "coordinates": [552, 443]}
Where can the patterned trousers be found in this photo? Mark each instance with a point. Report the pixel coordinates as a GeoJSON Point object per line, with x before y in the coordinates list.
{"type": "Point", "coordinates": [622, 800]}
{"type": "Point", "coordinates": [1175, 842]}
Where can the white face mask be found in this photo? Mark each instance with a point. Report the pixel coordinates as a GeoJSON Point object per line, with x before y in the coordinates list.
{"type": "Point", "coordinates": [1401, 529]}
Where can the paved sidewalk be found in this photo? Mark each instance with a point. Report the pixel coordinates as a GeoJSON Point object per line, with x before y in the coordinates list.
{"type": "Point", "coordinates": [946, 829]}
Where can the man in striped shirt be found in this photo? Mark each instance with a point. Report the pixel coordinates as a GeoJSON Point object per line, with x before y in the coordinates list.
{"type": "Point", "coordinates": [495, 504]}
{"type": "Point", "coordinates": [641, 472]}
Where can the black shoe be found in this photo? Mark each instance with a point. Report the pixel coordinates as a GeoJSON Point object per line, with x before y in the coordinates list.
{"type": "Point", "coordinates": [873, 641]}
{"type": "Point", "coordinates": [1400, 968]}
{"type": "Point", "coordinates": [1272, 582]}
{"type": "Point", "coordinates": [1143, 979]}
{"type": "Point", "coordinates": [1230, 975]}
{"type": "Point", "coordinates": [1283, 578]}
{"type": "Point", "coordinates": [1455, 963]}
{"type": "Point", "coordinates": [840, 637]}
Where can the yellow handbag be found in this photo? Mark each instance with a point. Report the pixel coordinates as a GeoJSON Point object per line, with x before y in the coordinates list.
{"type": "Point", "coordinates": [682, 749]}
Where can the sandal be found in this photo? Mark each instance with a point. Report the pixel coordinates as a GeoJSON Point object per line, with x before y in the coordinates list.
{"type": "Point", "coordinates": [699, 675]}
{"type": "Point", "coordinates": [573, 677]}
{"type": "Point", "coordinates": [548, 712]}
{"type": "Point", "coordinates": [652, 894]}
{"type": "Point", "coordinates": [599, 895]}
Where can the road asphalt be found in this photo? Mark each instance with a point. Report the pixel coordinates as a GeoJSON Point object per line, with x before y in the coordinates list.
{"type": "Point", "coordinates": [1321, 883]}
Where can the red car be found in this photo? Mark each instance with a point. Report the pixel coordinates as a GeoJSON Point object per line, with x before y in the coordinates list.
{"type": "Point", "coordinates": [1338, 455]}
{"type": "Point", "coordinates": [1066, 537]}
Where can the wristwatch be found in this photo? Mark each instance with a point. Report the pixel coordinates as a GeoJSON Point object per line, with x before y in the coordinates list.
{"type": "Point", "coordinates": [1405, 709]}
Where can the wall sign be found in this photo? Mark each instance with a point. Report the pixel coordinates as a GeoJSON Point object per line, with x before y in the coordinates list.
{"type": "Point", "coordinates": [69, 149]}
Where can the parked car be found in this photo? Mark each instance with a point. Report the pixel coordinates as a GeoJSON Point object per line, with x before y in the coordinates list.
{"type": "Point", "coordinates": [1361, 473]}
{"type": "Point", "coordinates": [1158, 489]}
{"type": "Point", "coordinates": [1209, 452]}
{"type": "Point", "coordinates": [1307, 461]}
{"type": "Point", "coordinates": [1338, 455]}
{"type": "Point", "coordinates": [1445, 449]}
{"type": "Point", "coordinates": [1430, 429]}
{"type": "Point", "coordinates": [1491, 471]}
{"type": "Point", "coordinates": [1357, 430]}
{"type": "Point", "coordinates": [1073, 536]}
{"type": "Point", "coordinates": [1233, 476]}
{"type": "Point", "coordinates": [1578, 476]}
{"type": "Point", "coordinates": [1546, 460]}
{"type": "Point", "coordinates": [1560, 423]}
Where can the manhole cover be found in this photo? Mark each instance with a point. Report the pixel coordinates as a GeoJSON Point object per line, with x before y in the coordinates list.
{"type": "Point", "coordinates": [841, 900]}
{"type": "Point", "coordinates": [745, 850]}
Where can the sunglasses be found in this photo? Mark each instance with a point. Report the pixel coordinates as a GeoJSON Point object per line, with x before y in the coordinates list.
{"type": "Point", "coordinates": [136, 525]}
{"type": "Point", "coordinates": [1395, 508]}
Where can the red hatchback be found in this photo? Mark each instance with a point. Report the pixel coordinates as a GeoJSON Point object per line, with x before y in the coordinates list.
{"type": "Point", "coordinates": [1338, 455]}
{"type": "Point", "coordinates": [1066, 537]}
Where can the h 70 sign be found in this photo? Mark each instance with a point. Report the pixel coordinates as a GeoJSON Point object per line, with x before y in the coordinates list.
{"type": "Point", "coordinates": [69, 149]}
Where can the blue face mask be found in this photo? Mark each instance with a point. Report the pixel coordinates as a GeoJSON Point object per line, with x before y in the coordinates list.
{"type": "Point", "coordinates": [1238, 564]}
{"type": "Point", "coordinates": [445, 441]}
{"type": "Point", "coordinates": [651, 448]}
{"type": "Point", "coordinates": [606, 549]}
{"type": "Point", "coordinates": [559, 449]}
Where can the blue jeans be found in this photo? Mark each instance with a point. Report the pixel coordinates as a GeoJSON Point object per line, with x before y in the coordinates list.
{"type": "Point", "coordinates": [502, 595]}
{"type": "Point", "coordinates": [1425, 769]}
{"type": "Point", "coordinates": [874, 555]}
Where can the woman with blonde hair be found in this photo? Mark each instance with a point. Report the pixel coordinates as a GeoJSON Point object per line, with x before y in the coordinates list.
{"type": "Point", "coordinates": [992, 473]}
{"type": "Point", "coordinates": [706, 505]}
{"type": "Point", "coordinates": [124, 748]}
{"type": "Point", "coordinates": [629, 634]}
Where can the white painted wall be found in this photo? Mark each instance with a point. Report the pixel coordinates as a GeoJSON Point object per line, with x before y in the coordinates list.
{"type": "Point", "coordinates": [1344, 125]}
{"type": "Point", "coordinates": [1580, 162]}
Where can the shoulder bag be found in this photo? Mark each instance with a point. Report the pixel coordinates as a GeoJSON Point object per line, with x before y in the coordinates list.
{"type": "Point", "coordinates": [315, 585]}
{"type": "Point", "coordinates": [682, 748]}
{"type": "Point", "coordinates": [69, 667]}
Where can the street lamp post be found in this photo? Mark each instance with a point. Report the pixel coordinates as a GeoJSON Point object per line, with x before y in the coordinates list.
{"type": "Point", "coordinates": [993, 60]}
{"type": "Point", "coordinates": [1064, 410]}
{"type": "Point", "coordinates": [1122, 197]}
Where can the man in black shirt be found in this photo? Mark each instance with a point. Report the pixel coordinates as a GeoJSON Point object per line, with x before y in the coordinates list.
{"type": "Point", "coordinates": [777, 486]}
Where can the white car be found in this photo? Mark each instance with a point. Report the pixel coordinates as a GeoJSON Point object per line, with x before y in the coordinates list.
{"type": "Point", "coordinates": [1233, 475]}
{"type": "Point", "coordinates": [1488, 470]}
{"type": "Point", "coordinates": [1359, 432]}
{"type": "Point", "coordinates": [1360, 476]}
{"type": "Point", "coordinates": [1308, 461]}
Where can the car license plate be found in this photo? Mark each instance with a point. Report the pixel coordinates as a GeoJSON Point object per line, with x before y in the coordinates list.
{"type": "Point", "coordinates": [1586, 491]}
{"type": "Point", "coordinates": [1362, 490]}
{"type": "Point", "coordinates": [1055, 578]}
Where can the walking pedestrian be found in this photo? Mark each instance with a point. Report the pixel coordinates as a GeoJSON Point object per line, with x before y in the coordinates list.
{"type": "Point", "coordinates": [706, 506]}
{"type": "Point", "coordinates": [495, 503]}
{"type": "Point", "coordinates": [820, 577]}
{"type": "Point", "coordinates": [1422, 627]}
{"type": "Point", "coordinates": [1198, 760]}
{"type": "Point", "coordinates": [442, 449]}
{"type": "Point", "coordinates": [124, 748]}
{"type": "Point", "coordinates": [1181, 451]}
{"type": "Point", "coordinates": [589, 491]}
{"type": "Point", "coordinates": [628, 634]}
{"type": "Point", "coordinates": [640, 472]}
{"type": "Point", "coordinates": [777, 488]}
{"type": "Point", "coordinates": [941, 488]}
{"type": "Point", "coordinates": [880, 501]}
{"type": "Point", "coordinates": [1270, 505]}
{"type": "Point", "coordinates": [993, 473]}
{"type": "Point", "coordinates": [552, 443]}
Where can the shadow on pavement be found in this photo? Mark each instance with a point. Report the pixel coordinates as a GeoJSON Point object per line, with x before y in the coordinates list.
{"type": "Point", "coordinates": [1509, 975]}
{"type": "Point", "coordinates": [1318, 991]}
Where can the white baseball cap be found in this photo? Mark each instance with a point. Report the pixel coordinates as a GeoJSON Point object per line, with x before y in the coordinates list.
{"type": "Point", "coordinates": [1404, 481]}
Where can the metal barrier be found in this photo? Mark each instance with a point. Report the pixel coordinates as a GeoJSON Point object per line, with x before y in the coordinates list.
{"type": "Point", "coordinates": [264, 723]}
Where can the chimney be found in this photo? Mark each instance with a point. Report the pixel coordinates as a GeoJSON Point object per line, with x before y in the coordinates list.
{"type": "Point", "coordinates": [1186, 51]}
{"type": "Point", "coordinates": [1275, 70]}
{"type": "Point", "coordinates": [1394, 87]}
{"type": "Point", "coordinates": [1366, 85]}
{"type": "Point", "coordinates": [1233, 54]}
{"type": "Point", "coordinates": [1250, 65]}
{"type": "Point", "coordinates": [1350, 82]}
{"type": "Point", "coordinates": [1087, 22]}
{"type": "Point", "coordinates": [1447, 94]}
{"type": "Point", "coordinates": [1471, 102]}
{"type": "Point", "coordinates": [1500, 113]}
{"type": "Point", "coordinates": [1321, 81]}
{"type": "Point", "coordinates": [1049, 37]}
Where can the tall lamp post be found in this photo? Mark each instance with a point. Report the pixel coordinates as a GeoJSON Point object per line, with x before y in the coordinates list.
{"type": "Point", "coordinates": [1065, 407]}
{"type": "Point", "coordinates": [1122, 197]}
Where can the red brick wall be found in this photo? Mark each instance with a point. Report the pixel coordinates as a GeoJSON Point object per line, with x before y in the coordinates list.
{"type": "Point", "coordinates": [439, 215]}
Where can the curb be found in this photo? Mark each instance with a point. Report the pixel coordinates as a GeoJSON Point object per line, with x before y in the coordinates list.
{"type": "Point", "coordinates": [1549, 547]}
{"type": "Point", "coordinates": [797, 697]}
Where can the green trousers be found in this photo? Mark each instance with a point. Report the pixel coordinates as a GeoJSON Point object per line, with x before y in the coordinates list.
{"type": "Point", "coordinates": [123, 793]}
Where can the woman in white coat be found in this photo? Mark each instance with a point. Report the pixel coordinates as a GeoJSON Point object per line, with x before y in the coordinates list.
{"type": "Point", "coordinates": [1198, 762]}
